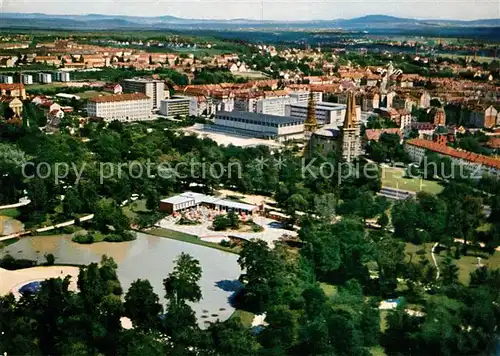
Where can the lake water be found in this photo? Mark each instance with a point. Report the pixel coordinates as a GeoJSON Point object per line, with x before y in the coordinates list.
{"type": "Point", "coordinates": [147, 257]}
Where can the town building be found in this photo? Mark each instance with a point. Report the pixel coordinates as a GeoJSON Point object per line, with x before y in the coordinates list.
{"type": "Point", "coordinates": [280, 128]}
{"type": "Point", "coordinates": [155, 89]}
{"type": "Point", "coordinates": [326, 113]}
{"type": "Point", "coordinates": [175, 106]}
{"type": "Point", "coordinates": [6, 79]}
{"type": "Point", "coordinates": [475, 163]}
{"type": "Point", "coordinates": [13, 90]}
{"type": "Point", "coordinates": [62, 76]}
{"type": "Point", "coordinates": [191, 200]}
{"type": "Point", "coordinates": [274, 106]}
{"type": "Point", "coordinates": [27, 79]}
{"type": "Point", "coordinates": [121, 107]}
{"type": "Point", "coordinates": [302, 96]}
{"type": "Point", "coordinates": [113, 88]}
{"type": "Point", "coordinates": [45, 78]}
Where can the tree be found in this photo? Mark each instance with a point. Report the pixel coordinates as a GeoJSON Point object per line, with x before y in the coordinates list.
{"type": "Point", "coordinates": [142, 306]}
{"type": "Point", "coordinates": [182, 284]}
{"type": "Point", "coordinates": [50, 259]}
{"type": "Point", "coordinates": [449, 271]}
{"type": "Point", "coordinates": [231, 338]}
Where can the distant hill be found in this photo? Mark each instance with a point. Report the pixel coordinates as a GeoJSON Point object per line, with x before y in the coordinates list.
{"type": "Point", "coordinates": [98, 21]}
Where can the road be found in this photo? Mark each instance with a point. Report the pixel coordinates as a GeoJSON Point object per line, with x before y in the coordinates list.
{"type": "Point", "coordinates": [47, 228]}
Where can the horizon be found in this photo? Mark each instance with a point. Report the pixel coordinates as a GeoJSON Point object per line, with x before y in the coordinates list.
{"type": "Point", "coordinates": [248, 18]}
{"type": "Point", "coordinates": [264, 10]}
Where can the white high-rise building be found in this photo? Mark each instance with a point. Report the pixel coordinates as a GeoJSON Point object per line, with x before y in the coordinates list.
{"type": "Point", "coordinates": [274, 106]}
{"type": "Point", "coordinates": [6, 79]}
{"type": "Point", "coordinates": [155, 89]}
{"type": "Point", "coordinates": [27, 79]}
{"type": "Point", "coordinates": [45, 78]}
{"type": "Point", "coordinates": [62, 76]}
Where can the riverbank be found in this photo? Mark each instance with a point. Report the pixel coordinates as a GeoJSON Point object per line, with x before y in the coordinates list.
{"type": "Point", "coordinates": [192, 239]}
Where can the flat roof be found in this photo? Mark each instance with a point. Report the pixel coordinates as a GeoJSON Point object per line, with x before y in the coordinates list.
{"type": "Point", "coordinates": [275, 119]}
{"type": "Point", "coordinates": [207, 199]}
{"type": "Point", "coordinates": [323, 105]}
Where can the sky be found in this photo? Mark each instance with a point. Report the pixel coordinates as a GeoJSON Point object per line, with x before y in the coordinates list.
{"type": "Point", "coordinates": [265, 9]}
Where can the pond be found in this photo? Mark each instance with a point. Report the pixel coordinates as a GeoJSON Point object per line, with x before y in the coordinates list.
{"type": "Point", "coordinates": [148, 257]}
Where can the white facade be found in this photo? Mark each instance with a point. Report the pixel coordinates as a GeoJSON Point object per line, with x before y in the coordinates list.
{"type": "Point", "coordinates": [45, 78]}
{"type": "Point", "coordinates": [7, 79]}
{"type": "Point", "coordinates": [201, 105]}
{"type": "Point", "coordinates": [261, 125]}
{"type": "Point", "coordinates": [177, 105]}
{"type": "Point", "coordinates": [62, 76]}
{"type": "Point", "coordinates": [128, 108]}
{"type": "Point", "coordinates": [303, 96]}
{"type": "Point", "coordinates": [326, 113]}
{"type": "Point", "coordinates": [274, 106]}
{"type": "Point", "coordinates": [27, 79]}
{"type": "Point", "coordinates": [155, 89]}
{"type": "Point", "coordinates": [418, 153]}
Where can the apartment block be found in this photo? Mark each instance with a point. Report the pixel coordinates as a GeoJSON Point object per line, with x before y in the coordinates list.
{"type": "Point", "coordinates": [155, 89]}
{"type": "Point", "coordinates": [121, 107]}
{"type": "Point", "coordinates": [6, 79]}
{"type": "Point", "coordinates": [27, 79]}
{"type": "Point", "coordinates": [176, 105]}
{"type": "Point", "coordinates": [45, 78]}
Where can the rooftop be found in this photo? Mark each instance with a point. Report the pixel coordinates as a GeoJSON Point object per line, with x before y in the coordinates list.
{"type": "Point", "coordinates": [119, 97]}
{"type": "Point", "coordinates": [448, 151]}
{"type": "Point", "coordinates": [207, 199]}
{"type": "Point", "coordinates": [322, 105]}
{"type": "Point", "coordinates": [274, 119]}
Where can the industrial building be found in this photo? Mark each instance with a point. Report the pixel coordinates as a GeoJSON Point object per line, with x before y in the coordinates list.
{"type": "Point", "coordinates": [175, 106]}
{"type": "Point", "coordinates": [280, 128]}
{"type": "Point", "coordinates": [121, 107]}
{"type": "Point", "coordinates": [155, 89]}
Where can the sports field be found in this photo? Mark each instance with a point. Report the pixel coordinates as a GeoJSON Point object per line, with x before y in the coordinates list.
{"type": "Point", "coordinates": [394, 178]}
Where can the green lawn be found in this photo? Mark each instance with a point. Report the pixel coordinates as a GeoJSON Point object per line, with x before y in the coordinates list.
{"type": "Point", "coordinates": [245, 317]}
{"type": "Point", "coordinates": [131, 210]}
{"type": "Point", "coordinates": [466, 264]}
{"type": "Point", "coordinates": [38, 86]}
{"type": "Point", "coordinates": [394, 178]}
{"type": "Point", "coordinates": [329, 289]}
{"type": "Point", "coordinates": [11, 213]}
{"type": "Point", "coordinates": [89, 94]}
{"type": "Point", "coordinates": [175, 235]}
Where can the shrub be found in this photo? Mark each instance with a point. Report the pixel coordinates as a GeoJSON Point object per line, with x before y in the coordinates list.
{"type": "Point", "coordinates": [11, 263]}
{"type": "Point", "coordinates": [87, 238]}
{"type": "Point", "coordinates": [221, 223]}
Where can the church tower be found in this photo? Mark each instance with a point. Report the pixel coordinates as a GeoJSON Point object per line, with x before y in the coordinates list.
{"type": "Point", "coordinates": [350, 132]}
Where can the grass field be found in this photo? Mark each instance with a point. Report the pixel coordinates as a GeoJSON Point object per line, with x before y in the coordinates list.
{"type": "Point", "coordinates": [11, 213]}
{"type": "Point", "coordinates": [89, 94]}
{"type": "Point", "coordinates": [466, 264]}
{"type": "Point", "coordinates": [246, 318]}
{"type": "Point", "coordinates": [251, 75]}
{"type": "Point", "coordinates": [38, 86]}
{"type": "Point", "coordinates": [133, 208]}
{"type": "Point", "coordinates": [175, 235]}
{"type": "Point", "coordinates": [394, 178]}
